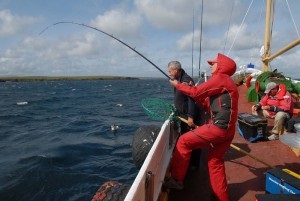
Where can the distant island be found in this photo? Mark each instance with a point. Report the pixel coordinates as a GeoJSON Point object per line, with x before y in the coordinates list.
{"type": "Point", "coordinates": [59, 78]}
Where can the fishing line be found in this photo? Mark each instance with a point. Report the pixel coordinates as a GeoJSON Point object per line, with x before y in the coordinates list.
{"type": "Point", "coordinates": [122, 42]}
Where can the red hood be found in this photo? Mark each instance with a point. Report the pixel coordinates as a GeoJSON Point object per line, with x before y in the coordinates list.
{"type": "Point", "coordinates": [225, 65]}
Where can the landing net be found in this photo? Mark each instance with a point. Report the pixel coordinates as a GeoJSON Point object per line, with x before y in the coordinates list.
{"type": "Point", "coordinates": [158, 109]}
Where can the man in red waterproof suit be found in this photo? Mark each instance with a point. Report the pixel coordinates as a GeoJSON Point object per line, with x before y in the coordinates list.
{"type": "Point", "coordinates": [219, 96]}
{"type": "Point", "coordinates": [277, 105]}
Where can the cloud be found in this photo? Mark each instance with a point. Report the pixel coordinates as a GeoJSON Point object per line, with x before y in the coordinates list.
{"type": "Point", "coordinates": [239, 38]}
{"type": "Point", "coordinates": [177, 15]}
{"type": "Point", "coordinates": [79, 46]}
{"type": "Point", "coordinates": [171, 15]}
{"type": "Point", "coordinates": [118, 22]}
{"type": "Point", "coordinates": [161, 30]}
{"type": "Point", "coordinates": [219, 12]}
{"type": "Point", "coordinates": [12, 24]}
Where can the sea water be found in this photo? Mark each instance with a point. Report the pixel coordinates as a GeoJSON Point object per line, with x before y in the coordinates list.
{"type": "Point", "coordinates": [56, 141]}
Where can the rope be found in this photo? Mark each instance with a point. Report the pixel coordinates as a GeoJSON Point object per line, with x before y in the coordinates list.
{"type": "Point", "coordinates": [256, 40]}
{"type": "Point", "coordinates": [228, 26]}
{"type": "Point", "coordinates": [288, 5]}
{"type": "Point", "coordinates": [239, 28]}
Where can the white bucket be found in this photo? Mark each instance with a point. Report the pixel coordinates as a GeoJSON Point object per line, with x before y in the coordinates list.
{"type": "Point", "coordinates": [297, 127]}
{"type": "Point", "coordinates": [292, 139]}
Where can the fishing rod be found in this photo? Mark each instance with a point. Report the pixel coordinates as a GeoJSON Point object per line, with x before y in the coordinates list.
{"type": "Point", "coordinates": [193, 43]}
{"type": "Point", "coordinates": [88, 26]}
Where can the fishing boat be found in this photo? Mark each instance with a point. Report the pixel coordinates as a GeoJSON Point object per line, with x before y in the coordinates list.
{"type": "Point", "coordinates": [247, 164]}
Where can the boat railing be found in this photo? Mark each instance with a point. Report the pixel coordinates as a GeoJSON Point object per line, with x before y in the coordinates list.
{"type": "Point", "coordinates": [147, 184]}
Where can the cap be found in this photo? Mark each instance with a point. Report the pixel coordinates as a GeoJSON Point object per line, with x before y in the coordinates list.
{"type": "Point", "coordinates": [270, 86]}
{"type": "Point", "coordinates": [212, 61]}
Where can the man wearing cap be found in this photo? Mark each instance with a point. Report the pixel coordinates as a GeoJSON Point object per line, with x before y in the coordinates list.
{"type": "Point", "coordinates": [219, 97]}
{"type": "Point", "coordinates": [276, 104]}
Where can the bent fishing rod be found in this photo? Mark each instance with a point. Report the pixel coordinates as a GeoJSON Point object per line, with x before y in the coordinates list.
{"type": "Point", "coordinates": [88, 26]}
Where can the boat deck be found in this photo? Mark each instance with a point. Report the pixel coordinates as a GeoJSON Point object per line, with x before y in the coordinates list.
{"type": "Point", "coordinates": [245, 175]}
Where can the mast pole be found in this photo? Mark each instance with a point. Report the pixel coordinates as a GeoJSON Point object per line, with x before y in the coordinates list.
{"type": "Point", "coordinates": [283, 50]}
{"type": "Point", "coordinates": [266, 58]}
{"type": "Point", "coordinates": [267, 44]}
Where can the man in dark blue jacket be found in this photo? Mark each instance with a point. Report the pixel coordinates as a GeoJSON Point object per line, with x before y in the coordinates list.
{"type": "Point", "coordinates": [185, 105]}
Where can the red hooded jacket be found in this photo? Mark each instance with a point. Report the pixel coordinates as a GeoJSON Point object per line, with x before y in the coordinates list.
{"type": "Point", "coordinates": [219, 95]}
{"type": "Point", "coordinates": [281, 102]}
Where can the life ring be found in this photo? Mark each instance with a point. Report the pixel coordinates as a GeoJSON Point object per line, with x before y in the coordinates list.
{"type": "Point", "coordinates": [142, 142]}
{"type": "Point", "coordinates": [257, 86]}
{"type": "Point", "coordinates": [282, 91]}
{"type": "Point", "coordinates": [111, 190]}
{"type": "Point", "coordinates": [248, 81]}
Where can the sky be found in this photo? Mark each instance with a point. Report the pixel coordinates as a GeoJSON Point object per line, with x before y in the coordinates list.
{"type": "Point", "coordinates": [160, 30]}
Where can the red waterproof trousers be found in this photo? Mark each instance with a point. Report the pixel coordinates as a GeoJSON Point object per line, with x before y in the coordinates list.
{"type": "Point", "coordinates": [201, 137]}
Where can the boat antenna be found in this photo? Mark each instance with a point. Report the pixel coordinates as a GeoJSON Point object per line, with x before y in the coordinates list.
{"type": "Point", "coordinates": [99, 30]}
{"type": "Point", "coordinates": [193, 43]}
{"type": "Point", "coordinates": [200, 41]}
